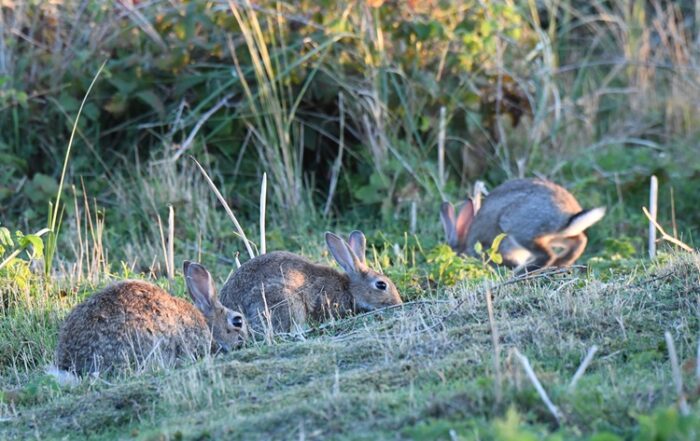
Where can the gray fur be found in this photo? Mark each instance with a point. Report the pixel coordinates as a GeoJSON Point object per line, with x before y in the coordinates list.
{"type": "Point", "coordinates": [296, 290]}
{"type": "Point", "coordinates": [134, 321]}
{"type": "Point", "coordinates": [535, 215]}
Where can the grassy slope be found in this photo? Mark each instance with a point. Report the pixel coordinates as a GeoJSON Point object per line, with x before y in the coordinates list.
{"type": "Point", "coordinates": [416, 372]}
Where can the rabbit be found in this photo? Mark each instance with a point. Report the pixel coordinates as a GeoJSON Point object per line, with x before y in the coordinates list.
{"type": "Point", "coordinates": [293, 289]}
{"type": "Point", "coordinates": [543, 223]}
{"type": "Point", "coordinates": [134, 320]}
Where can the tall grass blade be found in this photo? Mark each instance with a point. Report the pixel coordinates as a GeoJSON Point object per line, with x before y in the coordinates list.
{"type": "Point", "coordinates": [263, 208]}
{"type": "Point", "coordinates": [54, 222]}
{"type": "Point", "coordinates": [338, 163]}
{"type": "Point", "coordinates": [163, 245]}
{"type": "Point", "coordinates": [441, 148]}
{"type": "Point", "coordinates": [232, 216]}
{"type": "Point", "coordinates": [171, 242]}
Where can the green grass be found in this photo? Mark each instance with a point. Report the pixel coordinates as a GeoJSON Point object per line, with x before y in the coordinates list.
{"type": "Point", "coordinates": [417, 372]}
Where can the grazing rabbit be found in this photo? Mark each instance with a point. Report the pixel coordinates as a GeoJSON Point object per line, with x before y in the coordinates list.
{"type": "Point", "coordinates": [543, 223]}
{"type": "Point", "coordinates": [293, 289]}
{"type": "Point", "coordinates": [136, 321]}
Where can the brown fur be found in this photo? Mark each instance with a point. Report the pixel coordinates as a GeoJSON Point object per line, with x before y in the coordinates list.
{"type": "Point", "coordinates": [296, 290]}
{"type": "Point", "coordinates": [125, 321]}
{"type": "Point", "coordinates": [135, 321]}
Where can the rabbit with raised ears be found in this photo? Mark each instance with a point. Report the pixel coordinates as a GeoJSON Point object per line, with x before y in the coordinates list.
{"type": "Point", "coordinates": [281, 289]}
{"type": "Point", "coordinates": [543, 223]}
{"type": "Point", "coordinates": [133, 321]}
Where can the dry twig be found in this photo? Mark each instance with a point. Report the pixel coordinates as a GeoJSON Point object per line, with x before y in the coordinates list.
{"type": "Point", "coordinates": [664, 235]}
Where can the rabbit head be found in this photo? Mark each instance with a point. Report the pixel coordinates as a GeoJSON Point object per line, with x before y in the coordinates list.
{"type": "Point", "coordinates": [229, 329]}
{"type": "Point", "coordinates": [369, 289]}
{"type": "Point", "coordinates": [457, 227]}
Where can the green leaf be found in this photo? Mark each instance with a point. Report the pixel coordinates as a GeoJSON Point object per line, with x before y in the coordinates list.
{"type": "Point", "coordinates": [493, 253]}
{"type": "Point", "coordinates": [338, 26]}
{"type": "Point", "coordinates": [6, 237]}
{"type": "Point", "coordinates": [123, 86]}
{"type": "Point", "coordinates": [509, 428]}
{"type": "Point", "coordinates": [149, 97]}
{"type": "Point", "coordinates": [91, 111]}
{"type": "Point", "coordinates": [34, 241]}
{"type": "Point", "coordinates": [68, 103]}
{"type": "Point", "coordinates": [478, 248]}
{"type": "Point", "coordinates": [116, 104]}
{"type": "Point", "coordinates": [180, 30]}
{"type": "Point", "coordinates": [497, 241]}
{"type": "Point", "coordinates": [22, 98]}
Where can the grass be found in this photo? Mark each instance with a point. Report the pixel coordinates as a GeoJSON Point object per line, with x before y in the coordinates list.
{"type": "Point", "coordinates": [423, 371]}
{"type": "Point", "coordinates": [340, 106]}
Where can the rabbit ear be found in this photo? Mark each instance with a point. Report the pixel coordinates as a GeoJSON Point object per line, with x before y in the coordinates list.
{"type": "Point", "coordinates": [200, 286]}
{"type": "Point", "coordinates": [464, 220]}
{"type": "Point", "coordinates": [447, 215]}
{"type": "Point", "coordinates": [343, 254]}
{"type": "Point", "coordinates": [358, 244]}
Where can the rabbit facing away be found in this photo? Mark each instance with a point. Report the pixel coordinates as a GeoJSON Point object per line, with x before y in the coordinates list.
{"type": "Point", "coordinates": [281, 289]}
{"type": "Point", "coordinates": [134, 321]}
{"type": "Point", "coordinates": [543, 223]}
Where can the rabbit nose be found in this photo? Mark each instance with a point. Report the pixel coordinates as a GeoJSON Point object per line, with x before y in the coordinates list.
{"type": "Point", "coordinates": [238, 321]}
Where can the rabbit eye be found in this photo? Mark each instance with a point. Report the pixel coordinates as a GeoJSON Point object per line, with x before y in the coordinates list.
{"type": "Point", "coordinates": [380, 285]}
{"type": "Point", "coordinates": [237, 321]}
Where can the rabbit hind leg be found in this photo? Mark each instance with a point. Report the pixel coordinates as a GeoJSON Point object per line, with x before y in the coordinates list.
{"type": "Point", "coordinates": [572, 248]}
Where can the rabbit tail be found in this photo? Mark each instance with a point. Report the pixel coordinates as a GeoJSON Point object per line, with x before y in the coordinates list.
{"type": "Point", "coordinates": [581, 221]}
{"type": "Point", "coordinates": [63, 378]}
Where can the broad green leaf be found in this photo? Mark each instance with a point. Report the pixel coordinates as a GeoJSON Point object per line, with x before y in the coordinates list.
{"type": "Point", "coordinates": [497, 241]}
{"type": "Point", "coordinates": [36, 243]}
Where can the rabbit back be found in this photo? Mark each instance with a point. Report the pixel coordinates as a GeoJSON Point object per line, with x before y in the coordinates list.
{"type": "Point", "coordinates": [127, 322]}
{"type": "Point", "coordinates": [527, 211]}
{"type": "Point", "coordinates": [294, 289]}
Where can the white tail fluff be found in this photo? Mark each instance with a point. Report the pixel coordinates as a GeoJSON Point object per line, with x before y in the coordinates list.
{"type": "Point", "coordinates": [63, 378]}
{"type": "Point", "coordinates": [581, 221]}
